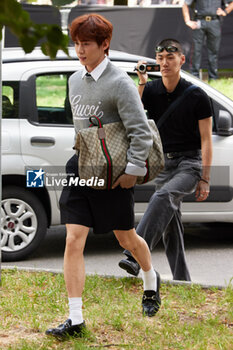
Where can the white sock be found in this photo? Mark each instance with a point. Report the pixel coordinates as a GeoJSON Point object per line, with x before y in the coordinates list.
{"type": "Point", "coordinates": [149, 280]}
{"type": "Point", "coordinates": [75, 307]}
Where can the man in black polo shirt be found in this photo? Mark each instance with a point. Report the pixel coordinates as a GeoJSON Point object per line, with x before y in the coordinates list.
{"type": "Point", "coordinates": [206, 24]}
{"type": "Point", "coordinates": [187, 143]}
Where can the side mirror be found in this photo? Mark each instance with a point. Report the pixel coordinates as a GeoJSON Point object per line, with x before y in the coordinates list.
{"type": "Point", "coordinates": [224, 127]}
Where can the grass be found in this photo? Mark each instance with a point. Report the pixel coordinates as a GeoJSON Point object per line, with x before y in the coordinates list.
{"type": "Point", "coordinates": [224, 85]}
{"type": "Point", "coordinates": [51, 90]}
{"type": "Point", "coordinates": [190, 317]}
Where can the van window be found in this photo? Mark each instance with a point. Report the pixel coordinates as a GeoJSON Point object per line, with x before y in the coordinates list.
{"type": "Point", "coordinates": [10, 99]}
{"type": "Point", "coordinates": [52, 101]}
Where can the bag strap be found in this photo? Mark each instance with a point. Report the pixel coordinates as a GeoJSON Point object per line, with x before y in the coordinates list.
{"type": "Point", "coordinates": [95, 121]}
{"type": "Point", "coordinates": [174, 105]}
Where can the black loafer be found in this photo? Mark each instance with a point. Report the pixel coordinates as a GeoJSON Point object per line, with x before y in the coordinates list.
{"type": "Point", "coordinates": [130, 266]}
{"type": "Point", "coordinates": [151, 300]}
{"type": "Point", "coordinates": [66, 329]}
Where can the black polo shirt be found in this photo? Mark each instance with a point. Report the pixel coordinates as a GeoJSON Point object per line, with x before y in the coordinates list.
{"type": "Point", "coordinates": [180, 132]}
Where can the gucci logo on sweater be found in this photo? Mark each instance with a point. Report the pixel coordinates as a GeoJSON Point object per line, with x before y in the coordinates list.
{"type": "Point", "coordinates": [84, 111]}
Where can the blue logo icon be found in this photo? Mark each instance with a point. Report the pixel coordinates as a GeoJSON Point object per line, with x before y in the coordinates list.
{"type": "Point", "coordinates": [35, 178]}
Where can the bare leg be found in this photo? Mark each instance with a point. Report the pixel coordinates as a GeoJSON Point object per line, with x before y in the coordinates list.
{"type": "Point", "coordinates": [74, 274]}
{"type": "Point", "coordinates": [136, 245]}
{"type": "Point", "coordinates": [74, 267]}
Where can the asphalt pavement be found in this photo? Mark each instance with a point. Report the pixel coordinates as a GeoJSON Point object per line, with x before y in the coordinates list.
{"type": "Point", "coordinates": [209, 253]}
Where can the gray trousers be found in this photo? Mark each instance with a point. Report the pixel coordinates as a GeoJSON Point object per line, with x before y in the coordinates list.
{"type": "Point", "coordinates": [212, 32]}
{"type": "Point", "coordinates": [162, 218]}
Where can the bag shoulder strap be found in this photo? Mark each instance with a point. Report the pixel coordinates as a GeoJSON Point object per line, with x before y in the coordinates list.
{"type": "Point", "coordinates": [174, 105]}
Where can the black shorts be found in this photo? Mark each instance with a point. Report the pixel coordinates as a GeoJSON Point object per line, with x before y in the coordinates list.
{"type": "Point", "coordinates": [103, 210]}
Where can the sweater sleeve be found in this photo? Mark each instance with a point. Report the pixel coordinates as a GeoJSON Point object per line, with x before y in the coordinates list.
{"type": "Point", "coordinates": [133, 116]}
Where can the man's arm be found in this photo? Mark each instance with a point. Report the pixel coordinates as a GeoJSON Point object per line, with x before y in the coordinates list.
{"type": "Point", "coordinates": [205, 129]}
{"type": "Point", "coordinates": [143, 77]}
{"type": "Point", "coordinates": [134, 119]}
{"type": "Point", "coordinates": [229, 8]}
{"type": "Point", "coordinates": [226, 11]}
{"type": "Point", "coordinates": [186, 15]}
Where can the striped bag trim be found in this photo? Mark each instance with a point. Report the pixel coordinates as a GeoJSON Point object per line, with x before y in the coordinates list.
{"type": "Point", "coordinates": [105, 150]}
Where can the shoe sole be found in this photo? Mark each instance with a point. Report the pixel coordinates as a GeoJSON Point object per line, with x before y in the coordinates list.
{"type": "Point", "coordinates": [127, 267]}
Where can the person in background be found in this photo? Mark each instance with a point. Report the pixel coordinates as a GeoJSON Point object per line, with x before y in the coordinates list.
{"type": "Point", "coordinates": [206, 24]}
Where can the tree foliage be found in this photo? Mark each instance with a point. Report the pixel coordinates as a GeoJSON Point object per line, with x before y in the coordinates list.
{"type": "Point", "coordinates": [29, 33]}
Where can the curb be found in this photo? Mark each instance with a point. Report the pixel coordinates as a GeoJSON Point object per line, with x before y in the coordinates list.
{"type": "Point", "coordinates": [165, 281]}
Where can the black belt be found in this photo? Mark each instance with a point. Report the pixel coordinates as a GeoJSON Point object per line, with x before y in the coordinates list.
{"type": "Point", "coordinates": [171, 155]}
{"type": "Point", "coordinates": [207, 18]}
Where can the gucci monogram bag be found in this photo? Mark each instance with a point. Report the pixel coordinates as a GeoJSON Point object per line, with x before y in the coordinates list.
{"type": "Point", "coordinates": [102, 151]}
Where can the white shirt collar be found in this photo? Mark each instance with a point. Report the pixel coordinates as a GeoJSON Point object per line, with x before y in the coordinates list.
{"type": "Point", "coordinates": [96, 73]}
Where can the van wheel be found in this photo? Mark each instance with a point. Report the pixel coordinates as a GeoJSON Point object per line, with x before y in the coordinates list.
{"type": "Point", "coordinates": [23, 223]}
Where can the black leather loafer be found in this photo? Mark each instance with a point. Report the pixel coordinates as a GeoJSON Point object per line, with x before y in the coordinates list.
{"type": "Point", "coordinates": [129, 265]}
{"type": "Point", "coordinates": [151, 300]}
{"type": "Point", "coordinates": [66, 329]}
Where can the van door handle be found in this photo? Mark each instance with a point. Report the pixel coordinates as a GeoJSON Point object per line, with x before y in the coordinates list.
{"type": "Point", "coordinates": [42, 140]}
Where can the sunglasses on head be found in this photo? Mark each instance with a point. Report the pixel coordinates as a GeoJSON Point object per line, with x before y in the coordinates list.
{"type": "Point", "coordinates": [167, 48]}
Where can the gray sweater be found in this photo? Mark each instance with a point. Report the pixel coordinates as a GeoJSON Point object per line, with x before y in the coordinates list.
{"type": "Point", "coordinates": [113, 97]}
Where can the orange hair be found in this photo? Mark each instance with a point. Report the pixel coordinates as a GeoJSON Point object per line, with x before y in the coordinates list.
{"type": "Point", "coordinates": [91, 27]}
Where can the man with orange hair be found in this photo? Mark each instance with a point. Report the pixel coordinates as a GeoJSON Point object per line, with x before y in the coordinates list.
{"type": "Point", "coordinates": [102, 89]}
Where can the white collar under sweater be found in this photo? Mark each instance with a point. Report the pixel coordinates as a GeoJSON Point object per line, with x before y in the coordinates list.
{"type": "Point", "coordinates": [96, 73]}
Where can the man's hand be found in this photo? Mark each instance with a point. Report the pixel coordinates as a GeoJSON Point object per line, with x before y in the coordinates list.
{"type": "Point", "coordinates": [192, 24]}
{"type": "Point", "coordinates": [202, 191]}
{"type": "Point", "coordinates": [125, 181]}
{"type": "Point", "coordinates": [220, 12]}
{"type": "Point", "coordinates": [142, 76]}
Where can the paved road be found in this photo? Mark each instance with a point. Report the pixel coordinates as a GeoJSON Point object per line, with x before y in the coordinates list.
{"type": "Point", "coordinates": [209, 252]}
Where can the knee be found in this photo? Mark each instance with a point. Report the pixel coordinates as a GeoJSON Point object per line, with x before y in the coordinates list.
{"type": "Point", "coordinates": [161, 197]}
{"type": "Point", "coordinates": [75, 242]}
{"type": "Point", "coordinates": [73, 245]}
{"type": "Point", "coordinates": [170, 198]}
{"type": "Point", "coordinates": [129, 243]}
{"type": "Point", "coordinates": [70, 240]}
